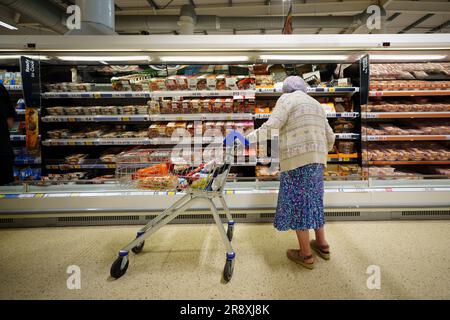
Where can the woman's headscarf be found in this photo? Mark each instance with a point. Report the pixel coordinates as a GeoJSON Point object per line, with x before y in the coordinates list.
{"type": "Point", "coordinates": [294, 83]}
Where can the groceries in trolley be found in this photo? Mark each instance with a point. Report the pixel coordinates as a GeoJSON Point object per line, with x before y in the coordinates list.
{"type": "Point", "coordinates": [159, 169]}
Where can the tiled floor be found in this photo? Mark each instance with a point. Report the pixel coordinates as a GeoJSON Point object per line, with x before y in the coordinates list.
{"type": "Point", "coordinates": [186, 262]}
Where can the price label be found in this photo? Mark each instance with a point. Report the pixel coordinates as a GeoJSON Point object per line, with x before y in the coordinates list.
{"type": "Point", "coordinates": [331, 114]}
{"type": "Point", "coordinates": [88, 143]}
{"type": "Point", "coordinates": [71, 143]}
{"type": "Point", "coordinates": [368, 115]}
{"type": "Point", "coordinates": [125, 119]}
{"type": "Point", "coordinates": [331, 89]}
{"type": "Point", "coordinates": [171, 193]}
{"type": "Point", "coordinates": [71, 119]}
{"type": "Point", "coordinates": [179, 119]}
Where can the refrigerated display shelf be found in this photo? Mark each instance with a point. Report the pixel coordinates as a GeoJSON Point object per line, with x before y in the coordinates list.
{"type": "Point", "coordinates": [201, 117]}
{"type": "Point", "coordinates": [203, 93]}
{"type": "Point", "coordinates": [148, 94]}
{"type": "Point", "coordinates": [186, 140]}
{"type": "Point", "coordinates": [347, 136]}
{"type": "Point", "coordinates": [329, 115]}
{"type": "Point", "coordinates": [347, 91]}
{"type": "Point", "coordinates": [96, 95]}
{"type": "Point", "coordinates": [96, 142]}
{"type": "Point", "coordinates": [65, 166]}
{"type": "Point", "coordinates": [18, 137]}
{"type": "Point", "coordinates": [13, 87]}
{"type": "Point", "coordinates": [97, 118]}
{"type": "Point", "coordinates": [27, 161]}
{"type": "Point", "coordinates": [401, 115]}
{"type": "Point", "coordinates": [393, 163]}
{"type": "Point", "coordinates": [405, 137]}
{"type": "Point", "coordinates": [406, 93]}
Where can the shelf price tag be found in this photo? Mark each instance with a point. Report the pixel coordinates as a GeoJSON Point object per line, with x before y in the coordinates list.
{"type": "Point", "coordinates": [97, 95]}
{"type": "Point", "coordinates": [331, 89]}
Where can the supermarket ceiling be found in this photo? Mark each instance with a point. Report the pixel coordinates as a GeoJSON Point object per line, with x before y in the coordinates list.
{"type": "Point", "coordinates": [220, 17]}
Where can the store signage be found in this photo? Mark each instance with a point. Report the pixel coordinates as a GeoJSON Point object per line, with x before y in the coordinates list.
{"type": "Point", "coordinates": [29, 69]}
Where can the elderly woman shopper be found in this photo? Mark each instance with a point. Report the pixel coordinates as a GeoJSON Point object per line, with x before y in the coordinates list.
{"type": "Point", "coordinates": [305, 138]}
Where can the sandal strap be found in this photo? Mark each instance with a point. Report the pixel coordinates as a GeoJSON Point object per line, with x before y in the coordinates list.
{"type": "Point", "coordinates": [307, 257]}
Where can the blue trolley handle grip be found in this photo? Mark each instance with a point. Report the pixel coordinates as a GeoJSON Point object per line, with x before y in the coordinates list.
{"type": "Point", "coordinates": [230, 139]}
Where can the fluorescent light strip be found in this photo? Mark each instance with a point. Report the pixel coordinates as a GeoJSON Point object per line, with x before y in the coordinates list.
{"type": "Point", "coordinates": [204, 58]}
{"type": "Point", "coordinates": [318, 57]}
{"type": "Point", "coordinates": [102, 58]}
{"type": "Point", "coordinates": [7, 26]}
{"type": "Point", "coordinates": [407, 57]}
{"type": "Point", "coordinates": [15, 56]}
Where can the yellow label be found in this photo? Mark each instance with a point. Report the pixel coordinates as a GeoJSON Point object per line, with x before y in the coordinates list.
{"type": "Point", "coordinates": [71, 143]}
{"type": "Point", "coordinates": [331, 89]}
{"type": "Point", "coordinates": [88, 143]}
{"type": "Point", "coordinates": [171, 193]}
{"type": "Point", "coordinates": [71, 119]}
{"type": "Point", "coordinates": [179, 118]}
{"type": "Point", "coordinates": [97, 95]}
{"type": "Point", "coordinates": [230, 192]}
{"type": "Point", "coordinates": [39, 195]}
{"type": "Point", "coordinates": [2, 196]}
{"type": "Point", "coordinates": [125, 119]}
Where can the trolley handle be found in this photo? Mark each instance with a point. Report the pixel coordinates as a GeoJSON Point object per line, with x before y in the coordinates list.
{"type": "Point", "coordinates": [234, 135]}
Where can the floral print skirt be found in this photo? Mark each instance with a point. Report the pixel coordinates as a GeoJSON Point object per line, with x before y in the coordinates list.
{"type": "Point", "coordinates": [300, 199]}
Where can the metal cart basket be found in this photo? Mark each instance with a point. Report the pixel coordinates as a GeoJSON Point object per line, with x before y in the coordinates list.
{"type": "Point", "coordinates": [157, 170]}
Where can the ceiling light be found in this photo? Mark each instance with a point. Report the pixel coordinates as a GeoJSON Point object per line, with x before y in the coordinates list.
{"type": "Point", "coordinates": [7, 26]}
{"type": "Point", "coordinates": [100, 58]}
{"type": "Point", "coordinates": [204, 58]}
{"type": "Point", "coordinates": [407, 57]}
{"type": "Point", "coordinates": [316, 57]}
{"type": "Point", "coordinates": [15, 56]}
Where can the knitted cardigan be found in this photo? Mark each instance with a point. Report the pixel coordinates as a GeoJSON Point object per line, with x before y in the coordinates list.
{"type": "Point", "coordinates": [305, 135]}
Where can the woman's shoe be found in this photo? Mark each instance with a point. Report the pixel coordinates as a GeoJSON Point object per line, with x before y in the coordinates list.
{"type": "Point", "coordinates": [322, 251]}
{"type": "Point", "coordinates": [295, 256]}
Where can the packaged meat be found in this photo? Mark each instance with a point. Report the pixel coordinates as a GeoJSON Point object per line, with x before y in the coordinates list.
{"type": "Point", "coordinates": [196, 106]}
{"type": "Point", "coordinates": [94, 134]}
{"type": "Point", "coordinates": [206, 105]}
{"type": "Point", "coordinates": [166, 106]}
{"type": "Point", "coordinates": [186, 106]}
{"type": "Point", "coordinates": [231, 83]}
{"type": "Point", "coordinates": [171, 83]}
{"type": "Point", "coordinates": [176, 107]}
{"type": "Point", "coordinates": [159, 183]}
{"type": "Point", "coordinates": [56, 111]}
{"type": "Point", "coordinates": [120, 84]}
{"type": "Point", "coordinates": [202, 83]}
{"type": "Point", "coordinates": [227, 105]}
{"type": "Point", "coordinates": [221, 82]}
{"type": "Point", "coordinates": [58, 134]}
{"type": "Point", "coordinates": [211, 82]}
{"type": "Point", "coordinates": [192, 83]}
{"type": "Point", "coordinates": [217, 105]}
{"type": "Point", "coordinates": [157, 84]}
{"type": "Point", "coordinates": [76, 158]}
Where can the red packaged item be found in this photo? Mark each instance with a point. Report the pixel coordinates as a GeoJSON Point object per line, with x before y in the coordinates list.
{"type": "Point", "coordinates": [171, 83]}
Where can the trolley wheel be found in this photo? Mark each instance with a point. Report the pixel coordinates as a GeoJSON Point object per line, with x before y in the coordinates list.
{"type": "Point", "coordinates": [230, 232]}
{"type": "Point", "coordinates": [116, 271]}
{"type": "Point", "coordinates": [228, 270]}
{"type": "Point", "coordinates": [138, 248]}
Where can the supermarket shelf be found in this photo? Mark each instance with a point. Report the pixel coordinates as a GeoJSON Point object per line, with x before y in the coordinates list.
{"type": "Point", "coordinates": [405, 137]}
{"type": "Point", "coordinates": [65, 166]}
{"type": "Point", "coordinates": [13, 87]}
{"type": "Point", "coordinates": [148, 94]}
{"type": "Point", "coordinates": [407, 115]}
{"type": "Point", "coordinates": [347, 136]}
{"type": "Point", "coordinates": [406, 93]}
{"type": "Point", "coordinates": [204, 93]}
{"type": "Point", "coordinates": [437, 162]}
{"type": "Point", "coordinates": [329, 115]}
{"type": "Point", "coordinates": [346, 91]}
{"type": "Point", "coordinates": [27, 161]}
{"type": "Point", "coordinates": [187, 140]}
{"type": "Point", "coordinates": [99, 118]}
{"type": "Point", "coordinates": [96, 142]}
{"type": "Point", "coordinates": [96, 95]}
{"type": "Point", "coordinates": [18, 137]}
{"type": "Point", "coordinates": [201, 116]}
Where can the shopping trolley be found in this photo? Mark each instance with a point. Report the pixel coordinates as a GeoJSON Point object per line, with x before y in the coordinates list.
{"type": "Point", "coordinates": [158, 170]}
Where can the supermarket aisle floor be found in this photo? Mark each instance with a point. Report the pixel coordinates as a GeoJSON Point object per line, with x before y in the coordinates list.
{"type": "Point", "coordinates": [186, 261]}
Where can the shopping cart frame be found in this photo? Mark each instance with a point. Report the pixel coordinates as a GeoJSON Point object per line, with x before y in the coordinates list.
{"type": "Point", "coordinates": [192, 197]}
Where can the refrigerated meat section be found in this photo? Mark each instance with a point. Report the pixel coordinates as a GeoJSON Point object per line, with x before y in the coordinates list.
{"type": "Point", "coordinates": [390, 118]}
